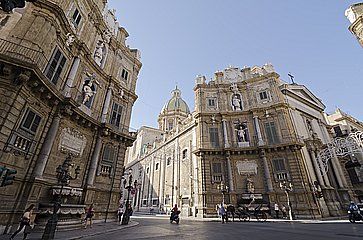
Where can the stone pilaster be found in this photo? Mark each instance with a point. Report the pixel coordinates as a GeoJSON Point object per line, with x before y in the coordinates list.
{"type": "Point", "coordinates": [71, 76]}
{"type": "Point", "coordinates": [47, 147]}
{"type": "Point", "coordinates": [94, 162]}
{"type": "Point", "coordinates": [258, 131]}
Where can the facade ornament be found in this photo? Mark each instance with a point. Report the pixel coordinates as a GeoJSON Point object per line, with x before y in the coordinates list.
{"type": "Point", "coordinates": [106, 35]}
{"type": "Point", "coordinates": [99, 52]}
{"type": "Point", "coordinates": [70, 39]}
{"type": "Point", "coordinates": [88, 88]}
{"type": "Point", "coordinates": [24, 76]}
{"type": "Point", "coordinates": [249, 184]}
{"type": "Point", "coordinates": [236, 101]}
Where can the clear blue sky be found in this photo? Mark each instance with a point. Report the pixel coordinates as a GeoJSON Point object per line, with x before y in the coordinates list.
{"type": "Point", "coordinates": [180, 39]}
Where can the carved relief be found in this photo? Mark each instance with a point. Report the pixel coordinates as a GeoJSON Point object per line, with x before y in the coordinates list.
{"type": "Point", "coordinates": [247, 167]}
{"type": "Point", "coordinates": [72, 141]}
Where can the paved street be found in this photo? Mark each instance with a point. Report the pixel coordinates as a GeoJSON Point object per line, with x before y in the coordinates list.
{"type": "Point", "coordinates": [160, 228]}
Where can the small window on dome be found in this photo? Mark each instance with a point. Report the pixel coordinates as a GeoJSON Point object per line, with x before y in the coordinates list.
{"type": "Point", "coordinates": [170, 125]}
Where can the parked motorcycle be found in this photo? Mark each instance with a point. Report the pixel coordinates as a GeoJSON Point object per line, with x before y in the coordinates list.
{"type": "Point", "coordinates": [355, 213]}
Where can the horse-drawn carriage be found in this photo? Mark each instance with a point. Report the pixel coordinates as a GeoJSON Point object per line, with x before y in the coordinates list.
{"type": "Point", "coordinates": [247, 206]}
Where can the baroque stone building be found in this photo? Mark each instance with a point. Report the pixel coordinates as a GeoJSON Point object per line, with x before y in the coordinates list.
{"type": "Point", "coordinates": [355, 16]}
{"type": "Point", "coordinates": [67, 82]}
{"type": "Point", "coordinates": [344, 125]}
{"type": "Point", "coordinates": [249, 132]}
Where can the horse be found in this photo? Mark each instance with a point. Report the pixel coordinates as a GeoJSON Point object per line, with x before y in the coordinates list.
{"type": "Point", "coordinates": [232, 210]}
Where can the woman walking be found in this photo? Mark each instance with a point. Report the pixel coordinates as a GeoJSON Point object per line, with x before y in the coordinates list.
{"type": "Point", "coordinates": [89, 215]}
{"type": "Point", "coordinates": [24, 222]}
{"type": "Point", "coordinates": [120, 212]}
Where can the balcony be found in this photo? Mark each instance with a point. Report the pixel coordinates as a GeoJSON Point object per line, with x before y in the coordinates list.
{"type": "Point", "coordinates": [20, 144]}
{"type": "Point", "coordinates": [23, 56]}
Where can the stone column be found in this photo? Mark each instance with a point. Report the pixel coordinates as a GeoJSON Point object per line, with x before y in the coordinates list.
{"type": "Point", "coordinates": [230, 175]}
{"type": "Point", "coordinates": [325, 176]}
{"type": "Point", "coordinates": [266, 171]}
{"type": "Point", "coordinates": [317, 168]}
{"type": "Point", "coordinates": [47, 147]}
{"type": "Point", "coordinates": [226, 142]}
{"type": "Point", "coordinates": [71, 77]}
{"type": "Point", "coordinates": [338, 172]}
{"type": "Point", "coordinates": [94, 162]}
{"type": "Point", "coordinates": [107, 105]}
{"type": "Point", "coordinates": [258, 131]}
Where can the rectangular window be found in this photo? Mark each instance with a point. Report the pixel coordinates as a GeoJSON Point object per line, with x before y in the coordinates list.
{"type": "Point", "coordinates": [211, 102]}
{"type": "Point", "coordinates": [281, 173]}
{"type": "Point", "coordinates": [214, 138]}
{"type": "Point", "coordinates": [76, 18]}
{"type": "Point", "coordinates": [263, 95]}
{"type": "Point", "coordinates": [353, 175]}
{"type": "Point", "coordinates": [217, 172]}
{"type": "Point", "coordinates": [279, 165]}
{"type": "Point", "coordinates": [116, 115]}
{"type": "Point", "coordinates": [55, 66]}
{"type": "Point", "coordinates": [107, 160]}
{"type": "Point", "coordinates": [217, 168]}
{"type": "Point", "coordinates": [31, 121]}
{"type": "Point", "coordinates": [271, 133]}
{"type": "Point", "coordinates": [125, 74]}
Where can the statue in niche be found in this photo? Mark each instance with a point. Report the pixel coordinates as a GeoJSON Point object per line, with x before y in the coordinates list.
{"type": "Point", "coordinates": [236, 102]}
{"type": "Point", "coordinates": [69, 39]}
{"type": "Point", "coordinates": [250, 185]}
{"type": "Point", "coordinates": [242, 132]}
{"type": "Point", "coordinates": [88, 90]}
{"type": "Point", "coordinates": [100, 48]}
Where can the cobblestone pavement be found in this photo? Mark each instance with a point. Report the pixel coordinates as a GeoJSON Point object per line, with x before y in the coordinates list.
{"type": "Point", "coordinates": [97, 229]}
{"type": "Point", "coordinates": [158, 227]}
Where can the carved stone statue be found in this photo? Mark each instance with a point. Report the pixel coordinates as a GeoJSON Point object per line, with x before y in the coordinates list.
{"type": "Point", "coordinates": [241, 134]}
{"type": "Point", "coordinates": [70, 39]}
{"type": "Point", "coordinates": [236, 103]}
{"type": "Point", "coordinates": [98, 56]}
{"type": "Point", "coordinates": [88, 90]}
{"type": "Point", "coordinates": [241, 130]}
{"type": "Point", "coordinates": [249, 185]}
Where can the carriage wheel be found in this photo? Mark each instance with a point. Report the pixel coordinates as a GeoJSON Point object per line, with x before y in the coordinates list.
{"type": "Point", "coordinates": [261, 217]}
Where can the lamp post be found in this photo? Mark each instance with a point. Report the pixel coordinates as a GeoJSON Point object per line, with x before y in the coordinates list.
{"type": "Point", "coordinates": [223, 188]}
{"type": "Point", "coordinates": [287, 187]}
{"type": "Point", "coordinates": [63, 177]}
{"type": "Point", "coordinates": [131, 185]}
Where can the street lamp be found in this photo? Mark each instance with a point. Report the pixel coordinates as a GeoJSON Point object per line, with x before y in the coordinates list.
{"type": "Point", "coordinates": [223, 188]}
{"type": "Point", "coordinates": [287, 187]}
{"type": "Point", "coordinates": [63, 177]}
{"type": "Point", "coordinates": [131, 185]}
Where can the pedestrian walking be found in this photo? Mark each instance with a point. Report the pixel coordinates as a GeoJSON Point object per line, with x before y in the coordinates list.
{"type": "Point", "coordinates": [120, 212]}
{"type": "Point", "coordinates": [25, 222]}
{"type": "Point", "coordinates": [222, 212]}
{"type": "Point", "coordinates": [284, 211]}
{"type": "Point", "coordinates": [89, 215]}
{"type": "Point", "coordinates": [277, 210]}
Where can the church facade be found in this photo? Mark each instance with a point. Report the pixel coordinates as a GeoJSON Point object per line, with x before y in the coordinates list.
{"type": "Point", "coordinates": [248, 135]}
{"type": "Point", "coordinates": [67, 81]}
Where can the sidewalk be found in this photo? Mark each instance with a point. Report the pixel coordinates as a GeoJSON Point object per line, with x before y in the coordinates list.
{"type": "Point", "coordinates": [307, 221]}
{"type": "Point", "coordinates": [97, 229]}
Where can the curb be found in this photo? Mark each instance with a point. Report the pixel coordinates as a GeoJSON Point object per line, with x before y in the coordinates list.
{"type": "Point", "coordinates": [131, 224]}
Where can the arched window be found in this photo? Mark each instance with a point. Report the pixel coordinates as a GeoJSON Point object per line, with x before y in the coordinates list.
{"type": "Point", "coordinates": [157, 166]}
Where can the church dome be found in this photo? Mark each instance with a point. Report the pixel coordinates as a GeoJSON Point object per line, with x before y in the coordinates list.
{"type": "Point", "coordinates": [176, 103]}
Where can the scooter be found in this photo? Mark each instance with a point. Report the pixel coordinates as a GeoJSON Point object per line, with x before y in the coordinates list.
{"type": "Point", "coordinates": [174, 217]}
{"type": "Point", "coordinates": [355, 213]}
